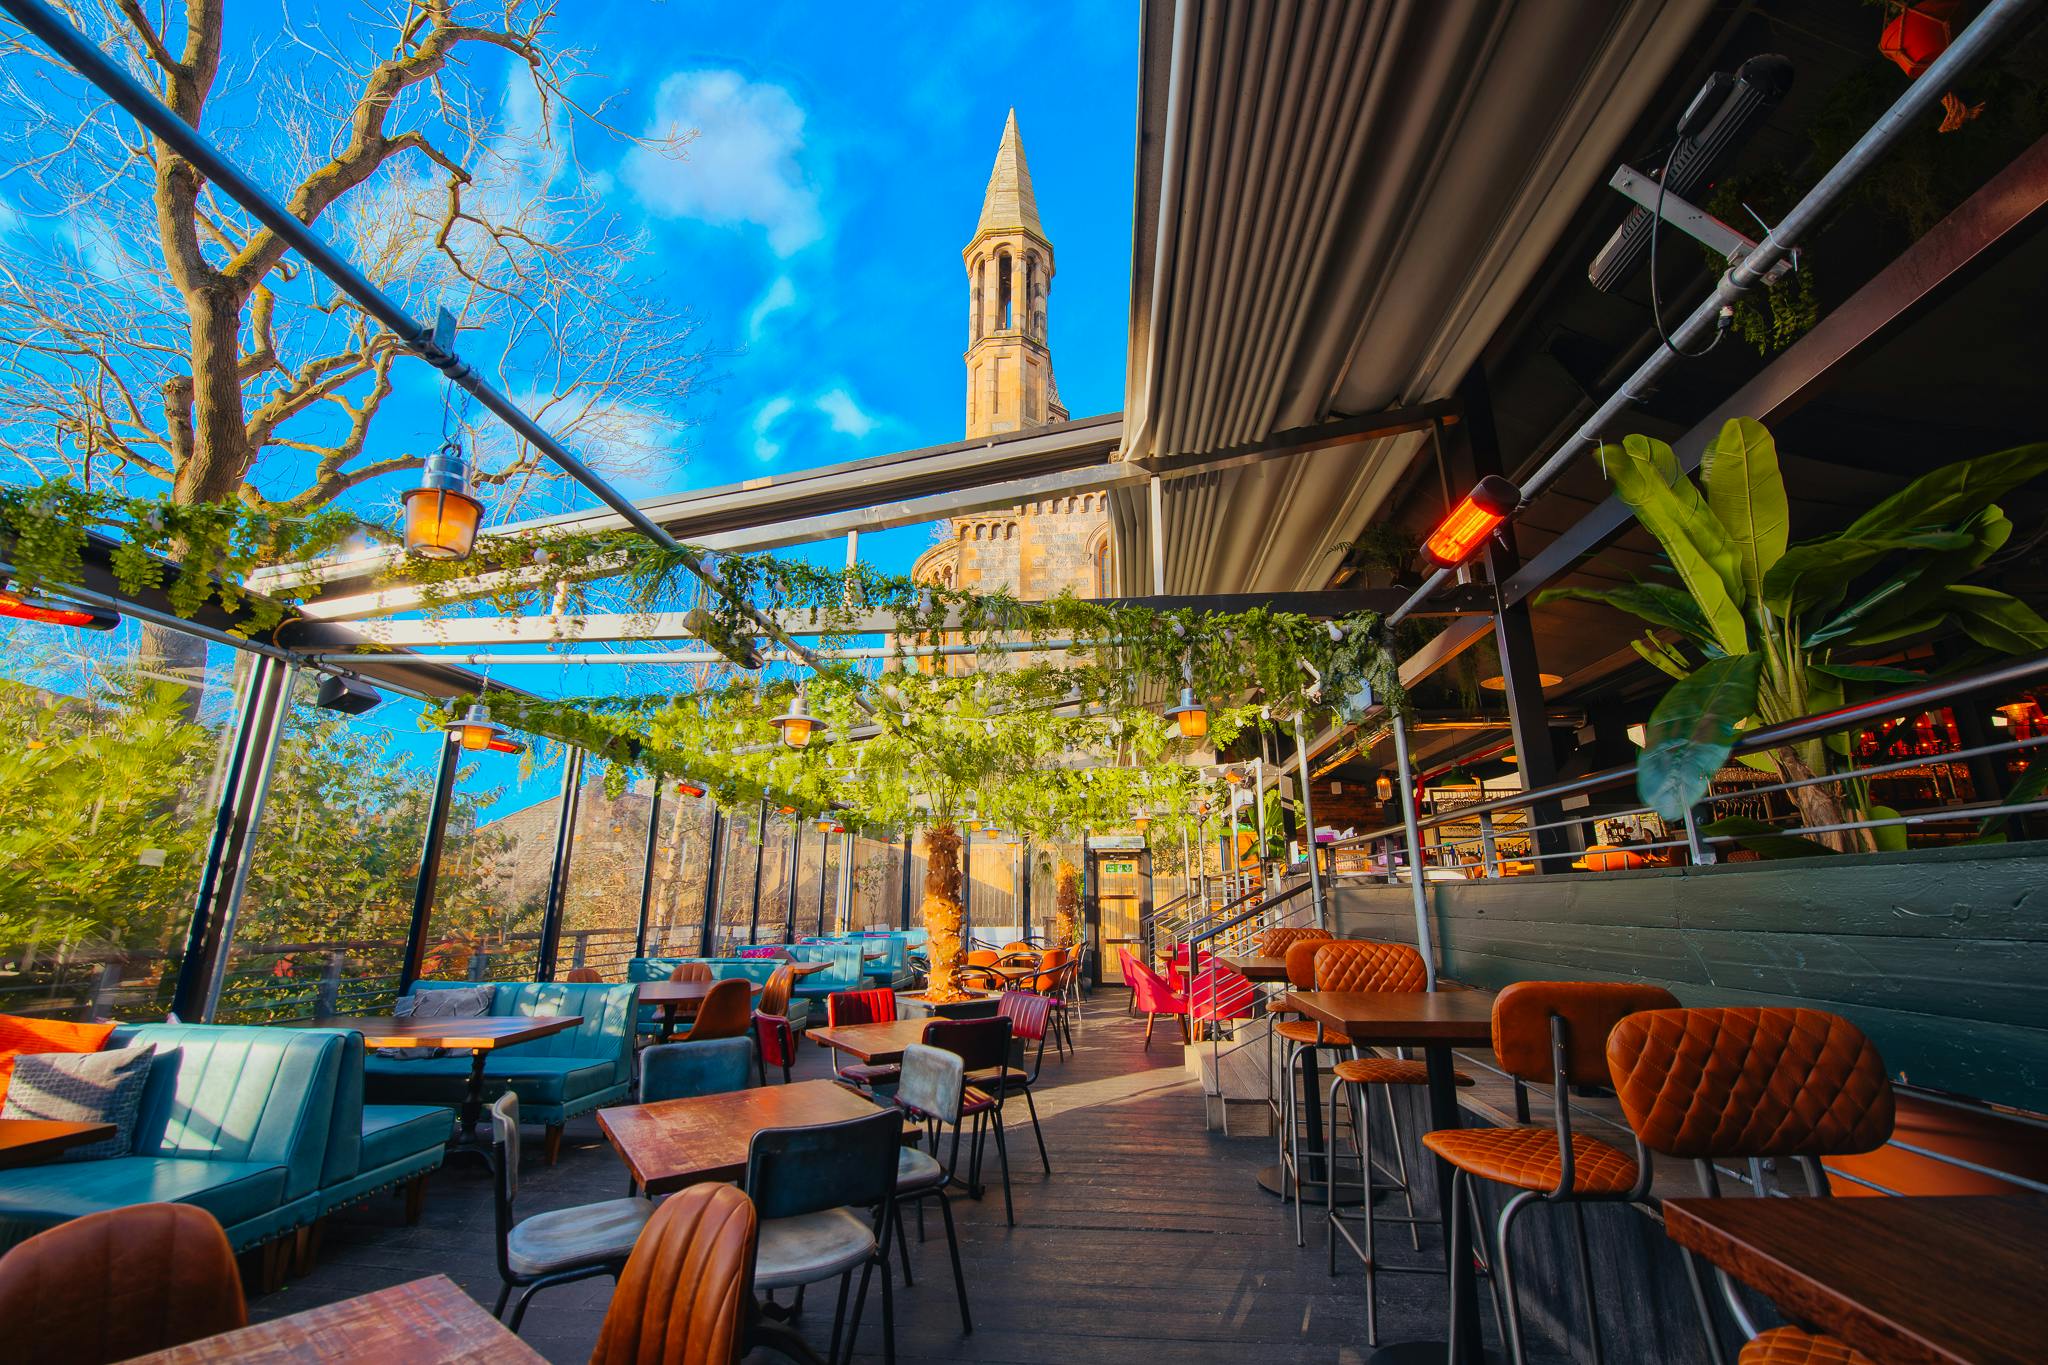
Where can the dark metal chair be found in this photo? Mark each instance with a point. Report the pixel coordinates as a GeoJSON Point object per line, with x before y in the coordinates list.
{"type": "Point", "coordinates": [982, 1045]}
{"type": "Point", "coordinates": [807, 1185]}
{"type": "Point", "coordinates": [933, 1092]}
{"type": "Point", "coordinates": [711, 1066]}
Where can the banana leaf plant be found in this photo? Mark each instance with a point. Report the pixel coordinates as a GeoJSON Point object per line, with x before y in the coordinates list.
{"type": "Point", "coordinates": [1774, 625]}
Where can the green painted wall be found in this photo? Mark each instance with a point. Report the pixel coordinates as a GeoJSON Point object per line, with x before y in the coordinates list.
{"type": "Point", "coordinates": [1940, 955]}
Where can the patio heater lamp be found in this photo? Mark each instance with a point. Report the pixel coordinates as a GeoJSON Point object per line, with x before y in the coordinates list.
{"type": "Point", "coordinates": [16, 606]}
{"type": "Point", "coordinates": [441, 516]}
{"type": "Point", "coordinates": [504, 745]}
{"type": "Point", "coordinates": [1460, 534]}
{"type": "Point", "coordinates": [477, 730]}
{"type": "Point", "coordinates": [797, 722]}
{"type": "Point", "coordinates": [686, 787]}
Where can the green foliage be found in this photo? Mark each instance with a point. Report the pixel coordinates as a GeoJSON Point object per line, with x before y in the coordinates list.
{"type": "Point", "coordinates": [1765, 615]}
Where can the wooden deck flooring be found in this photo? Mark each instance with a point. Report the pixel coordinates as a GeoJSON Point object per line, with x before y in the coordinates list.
{"type": "Point", "coordinates": [1149, 1244]}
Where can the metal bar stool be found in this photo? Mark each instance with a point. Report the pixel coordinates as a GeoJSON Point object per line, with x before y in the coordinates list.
{"type": "Point", "coordinates": [1301, 1035]}
{"type": "Point", "coordinates": [1554, 1030]}
{"type": "Point", "coordinates": [1361, 966]}
{"type": "Point", "coordinates": [1751, 1085]}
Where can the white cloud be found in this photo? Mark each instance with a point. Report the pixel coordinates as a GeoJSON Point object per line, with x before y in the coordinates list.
{"type": "Point", "coordinates": [740, 168]}
{"type": "Point", "coordinates": [763, 425]}
{"type": "Point", "coordinates": [779, 296]}
{"type": "Point", "coordinates": [10, 219]}
{"type": "Point", "coordinates": [845, 413]}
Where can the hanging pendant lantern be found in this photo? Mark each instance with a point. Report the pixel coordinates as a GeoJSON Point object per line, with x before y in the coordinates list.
{"type": "Point", "coordinates": [1384, 788]}
{"type": "Point", "coordinates": [797, 722]}
{"type": "Point", "coordinates": [1916, 35]}
{"type": "Point", "coordinates": [1141, 819]}
{"type": "Point", "coordinates": [476, 729]}
{"type": "Point", "coordinates": [441, 516]}
{"type": "Point", "coordinates": [1191, 717]}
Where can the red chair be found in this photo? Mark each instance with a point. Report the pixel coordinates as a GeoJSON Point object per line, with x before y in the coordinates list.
{"type": "Point", "coordinates": [1154, 995]}
{"type": "Point", "coordinates": [1031, 1020]}
{"type": "Point", "coordinates": [862, 1007]}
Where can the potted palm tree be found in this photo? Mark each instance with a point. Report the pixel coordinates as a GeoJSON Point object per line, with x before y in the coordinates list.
{"type": "Point", "coordinates": [1768, 631]}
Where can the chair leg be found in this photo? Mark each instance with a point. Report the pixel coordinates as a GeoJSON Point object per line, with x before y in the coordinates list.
{"type": "Point", "coordinates": [519, 1308]}
{"type": "Point", "coordinates": [1036, 1131]}
{"type": "Point", "coordinates": [1401, 1167]}
{"type": "Point", "coordinates": [415, 1199]}
{"type": "Point", "coordinates": [839, 1316]}
{"type": "Point", "coordinates": [903, 1249]}
{"type": "Point", "coordinates": [552, 1141]}
{"type": "Point", "coordinates": [1460, 1191]}
{"type": "Point", "coordinates": [504, 1296]}
{"type": "Point", "coordinates": [1507, 1274]}
{"type": "Point", "coordinates": [953, 1247]}
{"type": "Point", "coordinates": [1002, 1153]}
{"type": "Point", "coordinates": [888, 1316]}
{"type": "Point", "coordinates": [1585, 1259]}
{"type": "Point", "coordinates": [1149, 1019]}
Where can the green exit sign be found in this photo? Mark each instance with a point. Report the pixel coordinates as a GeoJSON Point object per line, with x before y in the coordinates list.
{"type": "Point", "coordinates": [1112, 869]}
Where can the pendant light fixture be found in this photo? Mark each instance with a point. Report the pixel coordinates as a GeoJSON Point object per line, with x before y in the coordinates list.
{"type": "Point", "coordinates": [476, 729]}
{"type": "Point", "coordinates": [1190, 718]}
{"type": "Point", "coordinates": [1141, 819]}
{"type": "Point", "coordinates": [441, 515]}
{"type": "Point", "coordinates": [1384, 788]}
{"type": "Point", "coordinates": [797, 722]}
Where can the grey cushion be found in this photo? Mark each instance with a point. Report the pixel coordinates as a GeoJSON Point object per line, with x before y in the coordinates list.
{"type": "Point", "coordinates": [810, 1247]}
{"type": "Point", "coordinates": [83, 1087]}
{"type": "Point", "coordinates": [916, 1171]}
{"type": "Point", "coordinates": [459, 1002]}
{"type": "Point", "coordinates": [589, 1234]}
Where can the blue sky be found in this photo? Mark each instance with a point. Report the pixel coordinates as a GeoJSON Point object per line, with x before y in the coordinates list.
{"type": "Point", "coordinates": [816, 225]}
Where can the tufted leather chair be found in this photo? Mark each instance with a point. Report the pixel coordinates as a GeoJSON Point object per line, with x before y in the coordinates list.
{"type": "Point", "coordinates": [690, 971]}
{"type": "Point", "coordinates": [861, 1007]}
{"type": "Point", "coordinates": [1276, 942]}
{"type": "Point", "coordinates": [1360, 965]}
{"type": "Point", "coordinates": [1555, 1031]}
{"type": "Point", "coordinates": [584, 976]}
{"type": "Point", "coordinates": [683, 1297]}
{"type": "Point", "coordinates": [1733, 1085]}
{"type": "Point", "coordinates": [120, 1283]}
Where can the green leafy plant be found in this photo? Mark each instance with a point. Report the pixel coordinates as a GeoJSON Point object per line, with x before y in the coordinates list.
{"type": "Point", "coordinates": [1771, 621]}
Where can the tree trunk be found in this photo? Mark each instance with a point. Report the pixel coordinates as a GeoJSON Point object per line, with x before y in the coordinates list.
{"type": "Point", "coordinates": [942, 913]}
{"type": "Point", "coordinates": [1066, 928]}
{"type": "Point", "coordinates": [1821, 804]}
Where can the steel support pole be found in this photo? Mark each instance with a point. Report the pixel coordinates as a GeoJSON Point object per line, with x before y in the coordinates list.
{"type": "Point", "coordinates": [1418, 894]}
{"type": "Point", "coordinates": [647, 868]}
{"type": "Point", "coordinates": [1308, 820]}
{"type": "Point", "coordinates": [1157, 504]}
{"type": "Point", "coordinates": [795, 879]}
{"type": "Point", "coordinates": [824, 856]}
{"type": "Point", "coordinates": [760, 863]}
{"type": "Point", "coordinates": [429, 879]}
{"type": "Point", "coordinates": [909, 846]}
{"type": "Point", "coordinates": [714, 873]}
{"type": "Point", "coordinates": [237, 817]}
{"type": "Point", "coordinates": [1024, 889]}
{"type": "Point", "coordinates": [558, 870]}
{"type": "Point", "coordinates": [966, 888]}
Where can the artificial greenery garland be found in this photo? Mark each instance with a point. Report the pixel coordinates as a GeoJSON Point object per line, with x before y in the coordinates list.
{"type": "Point", "coordinates": [1047, 742]}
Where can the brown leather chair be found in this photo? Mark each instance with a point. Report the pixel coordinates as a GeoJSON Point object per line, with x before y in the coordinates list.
{"type": "Point", "coordinates": [1553, 1031]}
{"type": "Point", "coordinates": [683, 1297]}
{"type": "Point", "coordinates": [1735, 1085]}
{"type": "Point", "coordinates": [726, 1012]}
{"type": "Point", "coordinates": [691, 971]}
{"type": "Point", "coordinates": [1358, 965]}
{"type": "Point", "coordinates": [1276, 942]}
{"type": "Point", "coordinates": [585, 976]}
{"type": "Point", "coordinates": [776, 991]}
{"type": "Point", "coordinates": [120, 1283]}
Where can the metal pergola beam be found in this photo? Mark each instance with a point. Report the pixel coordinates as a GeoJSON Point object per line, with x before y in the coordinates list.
{"type": "Point", "coordinates": [1948, 255]}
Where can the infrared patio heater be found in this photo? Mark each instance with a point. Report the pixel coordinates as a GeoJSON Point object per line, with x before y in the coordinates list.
{"type": "Point", "coordinates": [1720, 119]}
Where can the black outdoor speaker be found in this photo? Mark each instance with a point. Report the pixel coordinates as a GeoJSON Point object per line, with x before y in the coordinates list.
{"type": "Point", "coordinates": [346, 695]}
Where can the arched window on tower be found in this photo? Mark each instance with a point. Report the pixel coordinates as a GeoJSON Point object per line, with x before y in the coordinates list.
{"type": "Point", "coordinates": [1098, 556]}
{"type": "Point", "coordinates": [975, 318]}
{"type": "Point", "coordinates": [1003, 301]}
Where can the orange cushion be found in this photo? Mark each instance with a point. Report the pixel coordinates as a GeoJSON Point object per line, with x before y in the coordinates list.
{"type": "Point", "coordinates": [1304, 1031]}
{"type": "Point", "coordinates": [1388, 1071]}
{"type": "Point", "coordinates": [1527, 1158]}
{"type": "Point", "coordinates": [20, 1035]}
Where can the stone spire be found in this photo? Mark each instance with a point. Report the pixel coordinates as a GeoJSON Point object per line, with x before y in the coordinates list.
{"type": "Point", "coordinates": [1009, 205]}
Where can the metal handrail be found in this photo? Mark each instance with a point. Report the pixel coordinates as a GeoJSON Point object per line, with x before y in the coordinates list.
{"type": "Point", "coordinates": [1925, 697]}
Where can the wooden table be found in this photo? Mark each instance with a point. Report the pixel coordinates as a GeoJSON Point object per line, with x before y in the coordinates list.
{"type": "Point", "coordinates": [879, 1044]}
{"type": "Point", "coordinates": [476, 1035]}
{"type": "Point", "coordinates": [1906, 1280]}
{"type": "Point", "coordinates": [1256, 968]}
{"type": "Point", "coordinates": [978, 1005]}
{"type": "Point", "coordinates": [1435, 1022]}
{"type": "Point", "coordinates": [672, 996]}
{"type": "Point", "coordinates": [28, 1142]}
{"type": "Point", "coordinates": [425, 1322]}
{"type": "Point", "coordinates": [674, 1143]}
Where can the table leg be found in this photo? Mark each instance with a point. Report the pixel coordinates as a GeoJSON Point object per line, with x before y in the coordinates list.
{"type": "Point", "coordinates": [668, 1021]}
{"type": "Point", "coordinates": [1443, 1113]}
{"type": "Point", "coordinates": [473, 1098]}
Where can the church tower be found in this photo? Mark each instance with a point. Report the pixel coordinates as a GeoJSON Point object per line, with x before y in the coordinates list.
{"type": "Point", "coordinates": [1040, 549]}
{"type": "Point", "coordinates": [1009, 273]}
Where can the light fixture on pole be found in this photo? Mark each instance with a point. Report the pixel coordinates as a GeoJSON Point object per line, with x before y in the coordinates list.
{"type": "Point", "coordinates": [797, 722]}
{"type": "Point", "coordinates": [18, 606]}
{"type": "Point", "coordinates": [686, 787]}
{"type": "Point", "coordinates": [441, 515]}
{"type": "Point", "coordinates": [476, 729]}
{"type": "Point", "coordinates": [1141, 819]}
{"type": "Point", "coordinates": [1465, 528]}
